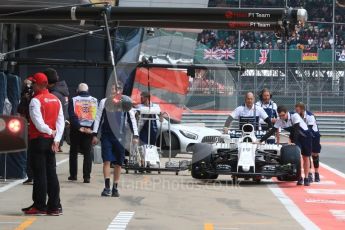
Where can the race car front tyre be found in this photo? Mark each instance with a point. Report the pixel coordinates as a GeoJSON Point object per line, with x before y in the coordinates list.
{"type": "Point", "coordinates": [201, 160]}
{"type": "Point", "coordinates": [291, 154]}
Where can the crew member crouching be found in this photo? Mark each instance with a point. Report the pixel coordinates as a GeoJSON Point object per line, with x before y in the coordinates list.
{"type": "Point", "coordinates": [299, 135]}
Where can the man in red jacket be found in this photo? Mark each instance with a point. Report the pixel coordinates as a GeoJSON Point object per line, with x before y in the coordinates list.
{"type": "Point", "coordinates": [45, 132]}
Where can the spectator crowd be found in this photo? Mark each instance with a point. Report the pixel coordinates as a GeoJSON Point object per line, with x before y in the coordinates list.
{"type": "Point", "coordinates": [317, 34]}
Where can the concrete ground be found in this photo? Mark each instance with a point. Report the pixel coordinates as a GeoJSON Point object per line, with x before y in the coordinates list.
{"type": "Point", "coordinates": [155, 201]}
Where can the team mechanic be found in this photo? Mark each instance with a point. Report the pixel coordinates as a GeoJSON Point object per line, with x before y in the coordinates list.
{"type": "Point", "coordinates": [270, 108]}
{"type": "Point", "coordinates": [111, 123]}
{"type": "Point", "coordinates": [248, 113]}
{"type": "Point", "coordinates": [310, 119]}
{"type": "Point", "coordinates": [45, 131]}
{"type": "Point", "coordinates": [299, 135]}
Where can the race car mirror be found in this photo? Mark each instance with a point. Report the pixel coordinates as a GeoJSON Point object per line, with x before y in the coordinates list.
{"type": "Point", "coordinates": [13, 134]}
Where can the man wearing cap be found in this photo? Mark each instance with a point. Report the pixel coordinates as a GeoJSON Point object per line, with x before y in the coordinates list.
{"type": "Point", "coordinates": [60, 90]}
{"type": "Point", "coordinates": [82, 111]}
{"type": "Point", "coordinates": [45, 132]}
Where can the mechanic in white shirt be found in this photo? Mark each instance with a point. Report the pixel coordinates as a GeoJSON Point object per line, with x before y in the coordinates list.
{"type": "Point", "coordinates": [299, 135]}
{"type": "Point", "coordinates": [248, 113]}
{"type": "Point", "coordinates": [270, 108]}
{"type": "Point", "coordinates": [148, 128]}
{"type": "Point", "coordinates": [310, 119]}
{"type": "Point", "coordinates": [268, 105]}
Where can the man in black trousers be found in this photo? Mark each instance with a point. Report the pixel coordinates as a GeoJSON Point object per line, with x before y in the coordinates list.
{"type": "Point", "coordinates": [45, 132]}
{"type": "Point", "coordinates": [82, 111]}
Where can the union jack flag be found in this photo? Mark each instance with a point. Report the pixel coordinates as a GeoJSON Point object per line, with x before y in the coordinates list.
{"type": "Point", "coordinates": [263, 56]}
{"type": "Point", "coordinates": [219, 54]}
{"type": "Point", "coordinates": [209, 54]}
{"type": "Point", "coordinates": [229, 54]}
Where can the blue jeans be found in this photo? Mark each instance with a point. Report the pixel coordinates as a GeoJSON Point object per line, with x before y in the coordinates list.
{"type": "Point", "coordinates": [3, 90]}
{"type": "Point", "coordinates": [13, 91]}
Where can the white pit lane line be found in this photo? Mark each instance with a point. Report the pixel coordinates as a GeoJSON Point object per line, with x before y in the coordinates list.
{"type": "Point", "coordinates": [317, 201]}
{"type": "Point", "coordinates": [121, 221]}
{"type": "Point", "coordinates": [326, 191]}
{"type": "Point", "coordinates": [338, 214]}
{"type": "Point", "coordinates": [333, 170]}
{"type": "Point", "coordinates": [17, 182]}
{"type": "Point", "coordinates": [292, 208]}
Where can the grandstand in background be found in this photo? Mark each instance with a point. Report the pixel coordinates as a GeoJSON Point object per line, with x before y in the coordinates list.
{"type": "Point", "coordinates": [308, 67]}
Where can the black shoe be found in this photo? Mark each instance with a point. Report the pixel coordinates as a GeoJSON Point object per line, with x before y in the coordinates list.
{"type": "Point", "coordinates": [72, 178]}
{"type": "Point", "coordinates": [306, 182]}
{"type": "Point", "coordinates": [106, 192]}
{"type": "Point", "coordinates": [317, 177]}
{"type": "Point", "coordinates": [300, 181]}
{"type": "Point", "coordinates": [86, 180]}
{"type": "Point", "coordinates": [115, 192]}
{"type": "Point", "coordinates": [310, 177]}
{"type": "Point", "coordinates": [28, 208]}
{"type": "Point", "coordinates": [29, 181]}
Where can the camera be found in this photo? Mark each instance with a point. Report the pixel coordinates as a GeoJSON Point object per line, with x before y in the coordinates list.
{"type": "Point", "coordinates": [28, 90]}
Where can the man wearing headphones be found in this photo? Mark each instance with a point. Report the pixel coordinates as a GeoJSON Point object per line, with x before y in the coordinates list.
{"type": "Point", "coordinates": [268, 105]}
{"type": "Point", "coordinates": [270, 108]}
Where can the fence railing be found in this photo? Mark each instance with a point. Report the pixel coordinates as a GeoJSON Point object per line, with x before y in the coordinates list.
{"type": "Point", "coordinates": [205, 55]}
{"type": "Point", "coordinates": [226, 99]}
{"type": "Point", "coordinates": [329, 125]}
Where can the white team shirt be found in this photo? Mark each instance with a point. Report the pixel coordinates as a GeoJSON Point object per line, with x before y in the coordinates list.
{"type": "Point", "coordinates": [271, 105]}
{"type": "Point", "coordinates": [310, 120]}
{"type": "Point", "coordinates": [244, 111]}
{"type": "Point", "coordinates": [292, 120]}
{"type": "Point", "coordinates": [155, 108]}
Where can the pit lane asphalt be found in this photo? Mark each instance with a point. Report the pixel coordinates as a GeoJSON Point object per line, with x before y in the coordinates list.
{"type": "Point", "coordinates": [163, 201]}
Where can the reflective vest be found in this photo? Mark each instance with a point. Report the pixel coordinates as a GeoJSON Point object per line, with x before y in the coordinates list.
{"type": "Point", "coordinates": [85, 108]}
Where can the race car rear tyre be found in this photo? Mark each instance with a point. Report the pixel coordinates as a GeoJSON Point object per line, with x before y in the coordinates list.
{"type": "Point", "coordinates": [201, 159]}
{"type": "Point", "coordinates": [291, 154]}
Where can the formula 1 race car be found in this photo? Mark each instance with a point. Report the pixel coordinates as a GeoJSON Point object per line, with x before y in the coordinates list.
{"type": "Point", "coordinates": [243, 157]}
